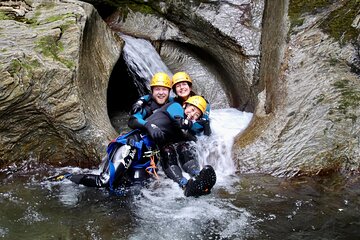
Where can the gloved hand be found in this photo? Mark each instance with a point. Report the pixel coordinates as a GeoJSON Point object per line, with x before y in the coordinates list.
{"type": "Point", "coordinates": [206, 125]}
{"type": "Point", "coordinates": [183, 123]}
{"type": "Point", "coordinates": [188, 136]}
{"type": "Point", "coordinates": [136, 107]}
{"type": "Point", "coordinates": [155, 133]}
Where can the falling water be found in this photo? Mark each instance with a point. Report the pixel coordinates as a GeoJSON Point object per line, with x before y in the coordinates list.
{"type": "Point", "coordinates": [142, 61]}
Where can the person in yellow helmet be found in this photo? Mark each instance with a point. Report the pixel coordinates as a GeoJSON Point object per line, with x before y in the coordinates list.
{"type": "Point", "coordinates": [182, 87]}
{"type": "Point", "coordinates": [170, 127]}
{"type": "Point", "coordinates": [160, 85]}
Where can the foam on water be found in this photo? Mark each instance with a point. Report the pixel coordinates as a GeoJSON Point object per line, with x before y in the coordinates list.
{"type": "Point", "coordinates": [180, 217]}
{"type": "Point", "coordinates": [175, 216]}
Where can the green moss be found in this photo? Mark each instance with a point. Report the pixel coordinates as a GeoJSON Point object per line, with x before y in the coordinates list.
{"type": "Point", "coordinates": [126, 6]}
{"type": "Point", "coordinates": [297, 9]}
{"type": "Point", "coordinates": [18, 65]}
{"type": "Point", "coordinates": [142, 8]}
{"type": "Point", "coordinates": [349, 98]}
{"type": "Point", "coordinates": [67, 25]}
{"type": "Point", "coordinates": [59, 17]}
{"type": "Point", "coordinates": [4, 16]}
{"type": "Point", "coordinates": [22, 19]}
{"type": "Point", "coordinates": [338, 23]}
{"type": "Point", "coordinates": [15, 67]}
{"type": "Point", "coordinates": [333, 61]}
{"type": "Point", "coordinates": [51, 47]}
{"type": "Point", "coordinates": [47, 5]}
{"type": "Point", "coordinates": [319, 99]}
{"type": "Point", "coordinates": [34, 20]}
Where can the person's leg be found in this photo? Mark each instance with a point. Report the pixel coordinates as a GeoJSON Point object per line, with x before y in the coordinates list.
{"type": "Point", "coordinates": [169, 163]}
{"type": "Point", "coordinates": [89, 180]}
{"type": "Point", "coordinates": [202, 183]}
{"type": "Point", "coordinates": [188, 158]}
{"type": "Point", "coordinates": [112, 171]}
{"type": "Point", "coordinates": [121, 163]}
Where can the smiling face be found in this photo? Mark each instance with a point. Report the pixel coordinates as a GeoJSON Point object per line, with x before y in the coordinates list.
{"type": "Point", "coordinates": [192, 112]}
{"type": "Point", "coordinates": [160, 94]}
{"type": "Point", "coordinates": [182, 89]}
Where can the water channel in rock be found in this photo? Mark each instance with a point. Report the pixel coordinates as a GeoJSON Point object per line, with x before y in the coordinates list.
{"type": "Point", "coordinates": [240, 206]}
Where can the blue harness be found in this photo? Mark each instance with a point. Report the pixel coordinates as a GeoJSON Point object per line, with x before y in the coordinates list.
{"type": "Point", "coordinates": [123, 140]}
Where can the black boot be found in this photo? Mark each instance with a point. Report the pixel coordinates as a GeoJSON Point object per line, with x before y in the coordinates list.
{"type": "Point", "coordinates": [202, 183]}
{"type": "Point", "coordinates": [89, 180]}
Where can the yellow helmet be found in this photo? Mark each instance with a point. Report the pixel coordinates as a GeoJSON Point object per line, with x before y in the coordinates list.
{"type": "Point", "coordinates": [198, 102]}
{"type": "Point", "coordinates": [181, 77]}
{"type": "Point", "coordinates": [161, 79]}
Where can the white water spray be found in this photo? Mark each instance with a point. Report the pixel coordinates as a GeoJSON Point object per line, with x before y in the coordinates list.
{"type": "Point", "coordinates": [216, 149]}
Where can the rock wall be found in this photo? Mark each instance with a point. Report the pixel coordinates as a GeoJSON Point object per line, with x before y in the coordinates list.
{"type": "Point", "coordinates": [313, 123]}
{"type": "Point", "coordinates": [47, 91]}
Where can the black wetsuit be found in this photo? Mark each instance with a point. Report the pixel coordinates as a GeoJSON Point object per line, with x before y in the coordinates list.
{"type": "Point", "coordinates": [179, 145]}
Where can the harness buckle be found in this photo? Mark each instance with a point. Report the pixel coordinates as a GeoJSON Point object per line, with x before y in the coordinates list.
{"type": "Point", "coordinates": [151, 153]}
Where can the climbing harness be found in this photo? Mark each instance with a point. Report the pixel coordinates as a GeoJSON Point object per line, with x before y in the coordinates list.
{"type": "Point", "coordinates": [152, 169]}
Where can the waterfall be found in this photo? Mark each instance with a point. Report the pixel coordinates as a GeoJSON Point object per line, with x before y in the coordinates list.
{"type": "Point", "coordinates": [142, 61]}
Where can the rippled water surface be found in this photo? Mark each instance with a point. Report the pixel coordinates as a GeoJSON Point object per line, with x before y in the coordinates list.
{"type": "Point", "coordinates": [239, 207]}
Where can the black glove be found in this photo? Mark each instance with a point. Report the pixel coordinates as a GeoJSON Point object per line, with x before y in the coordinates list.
{"type": "Point", "coordinates": [206, 125]}
{"type": "Point", "coordinates": [183, 123]}
{"type": "Point", "coordinates": [155, 133]}
{"type": "Point", "coordinates": [136, 107]}
{"type": "Point", "coordinates": [189, 137]}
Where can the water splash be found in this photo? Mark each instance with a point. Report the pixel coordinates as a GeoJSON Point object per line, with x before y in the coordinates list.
{"type": "Point", "coordinates": [216, 149]}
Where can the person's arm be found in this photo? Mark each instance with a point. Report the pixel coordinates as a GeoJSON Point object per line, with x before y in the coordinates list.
{"type": "Point", "coordinates": [136, 121]}
{"type": "Point", "coordinates": [176, 113]}
{"type": "Point", "coordinates": [139, 104]}
{"type": "Point", "coordinates": [139, 112]}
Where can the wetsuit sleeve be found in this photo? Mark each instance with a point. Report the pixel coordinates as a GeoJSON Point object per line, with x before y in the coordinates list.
{"type": "Point", "coordinates": [175, 111]}
{"type": "Point", "coordinates": [171, 99]}
{"type": "Point", "coordinates": [140, 103]}
{"type": "Point", "coordinates": [137, 120]}
{"type": "Point", "coordinates": [207, 111]}
{"type": "Point", "coordinates": [176, 114]}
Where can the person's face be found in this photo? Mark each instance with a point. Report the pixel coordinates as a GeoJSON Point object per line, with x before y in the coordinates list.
{"type": "Point", "coordinates": [182, 89]}
{"type": "Point", "coordinates": [160, 94]}
{"type": "Point", "coordinates": [192, 112]}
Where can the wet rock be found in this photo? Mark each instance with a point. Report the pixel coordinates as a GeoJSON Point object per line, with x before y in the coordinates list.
{"type": "Point", "coordinates": [222, 36]}
{"type": "Point", "coordinates": [53, 73]}
{"type": "Point", "coordinates": [314, 125]}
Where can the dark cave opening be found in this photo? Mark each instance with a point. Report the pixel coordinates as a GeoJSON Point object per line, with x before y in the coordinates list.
{"type": "Point", "coordinates": [121, 94]}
